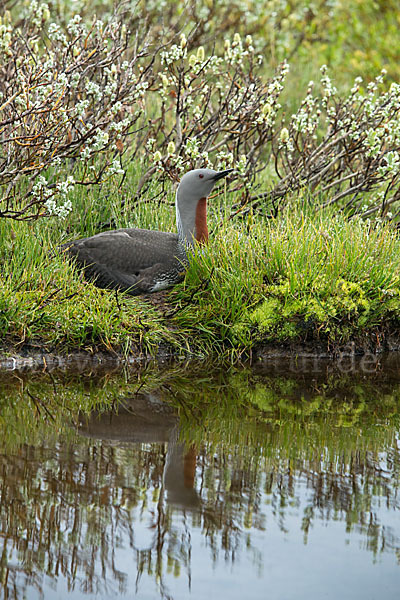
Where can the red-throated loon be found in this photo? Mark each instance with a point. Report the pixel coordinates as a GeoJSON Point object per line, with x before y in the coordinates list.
{"type": "Point", "coordinates": [140, 261]}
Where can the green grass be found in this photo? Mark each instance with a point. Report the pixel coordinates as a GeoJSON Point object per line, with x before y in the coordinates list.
{"type": "Point", "coordinates": [305, 276]}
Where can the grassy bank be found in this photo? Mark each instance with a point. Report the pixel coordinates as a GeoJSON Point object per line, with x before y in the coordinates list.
{"type": "Point", "coordinates": [306, 276]}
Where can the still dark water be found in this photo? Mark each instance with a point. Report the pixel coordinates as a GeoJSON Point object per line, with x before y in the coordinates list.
{"type": "Point", "coordinates": [191, 482]}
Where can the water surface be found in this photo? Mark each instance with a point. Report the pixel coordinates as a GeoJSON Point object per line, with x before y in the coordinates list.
{"type": "Point", "coordinates": [191, 482]}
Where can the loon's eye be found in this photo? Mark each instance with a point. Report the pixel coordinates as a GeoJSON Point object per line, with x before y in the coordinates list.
{"type": "Point", "coordinates": [201, 175]}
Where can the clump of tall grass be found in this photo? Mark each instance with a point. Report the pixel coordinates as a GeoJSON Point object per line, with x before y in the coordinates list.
{"type": "Point", "coordinates": [304, 275]}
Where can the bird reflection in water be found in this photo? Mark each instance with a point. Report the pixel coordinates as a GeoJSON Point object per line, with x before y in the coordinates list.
{"type": "Point", "coordinates": [146, 419]}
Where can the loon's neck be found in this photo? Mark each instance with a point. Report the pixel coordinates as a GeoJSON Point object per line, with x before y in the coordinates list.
{"type": "Point", "coordinates": [191, 221]}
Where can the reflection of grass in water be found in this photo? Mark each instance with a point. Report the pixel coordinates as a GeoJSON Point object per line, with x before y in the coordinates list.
{"type": "Point", "coordinates": [233, 406]}
{"type": "Point", "coordinates": [337, 413]}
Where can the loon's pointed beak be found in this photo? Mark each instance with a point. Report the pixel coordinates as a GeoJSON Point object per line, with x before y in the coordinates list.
{"type": "Point", "coordinates": [221, 174]}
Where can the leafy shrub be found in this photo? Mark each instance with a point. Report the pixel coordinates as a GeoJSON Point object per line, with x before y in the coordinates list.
{"type": "Point", "coordinates": [82, 97]}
